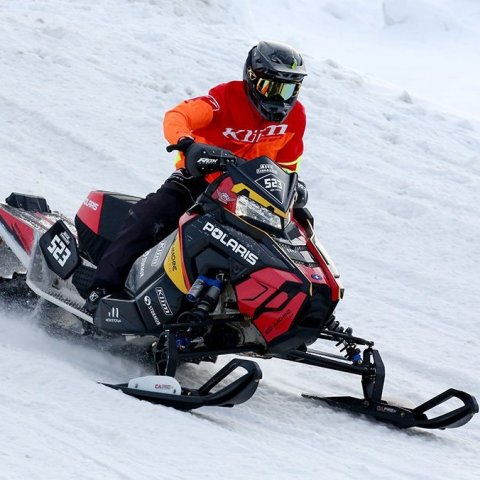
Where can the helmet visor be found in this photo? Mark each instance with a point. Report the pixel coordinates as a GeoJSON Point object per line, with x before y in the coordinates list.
{"type": "Point", "coordinates": [274, 88]}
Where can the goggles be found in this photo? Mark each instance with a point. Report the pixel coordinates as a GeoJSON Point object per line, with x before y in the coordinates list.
{"type": "Point", "coordinates": [274, 88]}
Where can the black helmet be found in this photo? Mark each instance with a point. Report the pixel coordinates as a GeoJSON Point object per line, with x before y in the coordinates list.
{"type": "Point", "coordinates": [273, 75]}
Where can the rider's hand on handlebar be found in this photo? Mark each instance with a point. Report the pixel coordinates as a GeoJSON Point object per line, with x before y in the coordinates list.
{"type": "Point", "coordinates": [182, 144]}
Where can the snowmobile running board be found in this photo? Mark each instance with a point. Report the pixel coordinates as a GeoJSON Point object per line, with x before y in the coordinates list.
{"type": "Point", "coordinates": [235, 393]}
{"type": "Point", "coordinates": [372, 405]}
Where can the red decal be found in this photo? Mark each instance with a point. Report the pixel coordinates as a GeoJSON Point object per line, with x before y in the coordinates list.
{"type": "Point", "coordinates": [89, 213]}
{"type": "Point", "coordinates": [225, 195]}
{"type": "Point", "coordinates": [273, 324]}
{"type": "Point", "coordinates": [260, 287]}
{"type": "Point", "coordinates": [278, 301]}
{"type": "Point", "coordinates": [251, 294]}
{"type": "Point", "coordinates": [22, 232]}
{"type": "Point", "coordinates": [330, 280]}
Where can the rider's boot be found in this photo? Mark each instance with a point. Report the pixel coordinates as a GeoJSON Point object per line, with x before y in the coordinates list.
{"type": "Point", "coordinates": [94, 298]}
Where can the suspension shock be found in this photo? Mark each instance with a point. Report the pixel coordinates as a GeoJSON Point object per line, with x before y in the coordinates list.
{"type": "Point", "coordinates": [205, 292]}
{"type": "Point", "coordinates": [352, 352]}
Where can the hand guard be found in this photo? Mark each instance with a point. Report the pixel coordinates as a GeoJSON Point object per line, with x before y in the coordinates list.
{"type": "Point", "coordinates": [202, 159]}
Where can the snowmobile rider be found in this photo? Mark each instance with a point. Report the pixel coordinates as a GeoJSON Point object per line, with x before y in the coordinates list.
{"type": "Point", "coordinates": [257, 116]}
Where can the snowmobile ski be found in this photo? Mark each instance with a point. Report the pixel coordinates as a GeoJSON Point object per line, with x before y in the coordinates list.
{"type": "Point", "coordinates": [235, 393]}
{"type": "Point", "coordinates": [372, 371]}
{"type": "Point", "coordinates": [403, 417]}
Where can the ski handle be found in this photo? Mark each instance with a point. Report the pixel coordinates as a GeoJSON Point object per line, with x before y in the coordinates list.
{"type": "Point", "coordinates": [455, 418]}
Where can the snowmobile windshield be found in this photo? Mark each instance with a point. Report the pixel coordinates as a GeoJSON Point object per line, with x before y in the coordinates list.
{"type": "Point", "coordinates": [267, 183]}
{"type": "Point", "coordinates": [265, 192]}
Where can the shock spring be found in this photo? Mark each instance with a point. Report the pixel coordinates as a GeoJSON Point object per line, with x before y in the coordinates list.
{"type": "Point", "coordinates": [352, 352]}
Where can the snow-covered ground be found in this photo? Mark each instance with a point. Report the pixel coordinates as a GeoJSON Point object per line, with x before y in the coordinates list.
{"type": "Point", "coordinates": [394, 181]}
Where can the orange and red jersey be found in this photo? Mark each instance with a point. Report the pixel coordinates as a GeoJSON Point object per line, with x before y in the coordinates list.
{"type": "Point", "coordinates": [226, 118]}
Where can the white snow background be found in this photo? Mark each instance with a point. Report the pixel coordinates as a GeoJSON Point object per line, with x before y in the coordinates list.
{"type": "Point", "coordinates": [392, 162]}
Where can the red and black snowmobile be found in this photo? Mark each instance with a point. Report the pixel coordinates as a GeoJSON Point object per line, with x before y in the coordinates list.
{"type": "Point", "coordinates": [242, 274]}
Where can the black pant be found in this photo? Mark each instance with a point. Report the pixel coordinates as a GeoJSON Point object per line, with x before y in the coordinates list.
{"type": "Point", "coordinates": [148, 222]}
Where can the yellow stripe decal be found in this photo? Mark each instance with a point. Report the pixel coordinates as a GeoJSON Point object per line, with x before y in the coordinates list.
{"type": "Point", "coordinates": [173, 266]}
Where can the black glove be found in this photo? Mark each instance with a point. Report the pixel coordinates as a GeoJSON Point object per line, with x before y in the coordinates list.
{"type": "Point", "coordinates": [182, 145]}
{"type": "Point", "coordinates": [202, 159]}
{"type": "Point", "coordinates": [302, 195]}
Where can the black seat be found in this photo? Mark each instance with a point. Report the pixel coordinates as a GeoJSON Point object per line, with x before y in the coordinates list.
{"type": "Point", "coordinates": [99, 220]}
